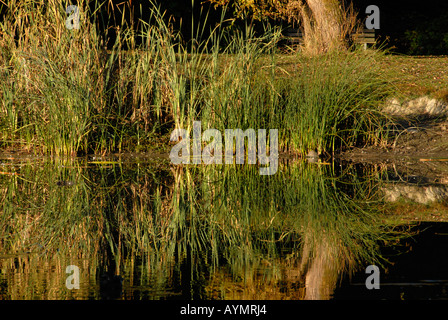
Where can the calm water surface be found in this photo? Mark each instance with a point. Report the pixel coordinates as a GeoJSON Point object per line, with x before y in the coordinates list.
{"type": "Point", "coordinates": [143, 229]}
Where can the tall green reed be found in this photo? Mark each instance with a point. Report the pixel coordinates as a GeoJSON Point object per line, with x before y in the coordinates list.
{"type": "Point", "coordinates": [63, 93]}
{"type": "Point", "coordinates": [335, 101]}
{"type": "Point", "coordinates": [71, 95]}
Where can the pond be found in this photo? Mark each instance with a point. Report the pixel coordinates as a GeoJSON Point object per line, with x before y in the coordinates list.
{"type": "Point", "coordinates": [137, 227]}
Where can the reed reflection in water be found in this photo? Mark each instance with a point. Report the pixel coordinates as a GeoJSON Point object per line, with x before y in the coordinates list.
{"type": "Point", "coordinates": [150, 230]}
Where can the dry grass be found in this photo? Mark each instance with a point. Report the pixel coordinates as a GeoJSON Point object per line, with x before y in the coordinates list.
{"type": "Point", "coordinates": [416, 76]}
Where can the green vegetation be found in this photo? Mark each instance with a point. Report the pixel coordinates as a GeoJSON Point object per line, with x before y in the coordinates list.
{"type": "Point", "coordinates": [417, 76]}
{"type": "Point", "coordinates": [223, 221]}
{"type": "Point", "coordinates": [63, 93]}
{"type": "Point", "coordinates": [239, 234]}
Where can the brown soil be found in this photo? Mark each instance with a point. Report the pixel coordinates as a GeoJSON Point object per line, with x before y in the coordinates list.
{"type": "Point", "coordinates": [422, 141]}
{"type": "Point", "coordinates": [418, 148]}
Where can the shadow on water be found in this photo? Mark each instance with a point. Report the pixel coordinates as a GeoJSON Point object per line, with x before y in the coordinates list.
{"type": "Point", "coordinates": [150, 230]}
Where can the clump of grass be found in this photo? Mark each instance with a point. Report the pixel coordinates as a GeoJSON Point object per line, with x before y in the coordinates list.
{"type": "Point", "coordinates": [335, 102]}
{"type": "Point", "coordinates": [63, 93]}
{"type": "Point", "coordinates": [54, 74]}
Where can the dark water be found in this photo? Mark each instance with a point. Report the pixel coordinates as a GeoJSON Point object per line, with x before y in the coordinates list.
{"type": "Point", "coordinates": [143, 229]}
{"type": "Point", "coordinates": [416, 272]}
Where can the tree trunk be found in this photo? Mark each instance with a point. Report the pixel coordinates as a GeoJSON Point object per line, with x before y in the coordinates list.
{"type": "Point", "coordinates": [327, 16]}
{"type": "Point", "coordinates": [325, 23]}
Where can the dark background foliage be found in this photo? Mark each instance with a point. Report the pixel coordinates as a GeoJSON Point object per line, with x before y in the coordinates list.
{"type": "Point", "coordinates": [412, 27]}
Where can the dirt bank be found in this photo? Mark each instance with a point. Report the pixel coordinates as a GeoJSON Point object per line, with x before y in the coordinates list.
{"type": "Point", "coordinates": [418, 144]}
{"type": "Point", "coordinates": [420, 133]}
